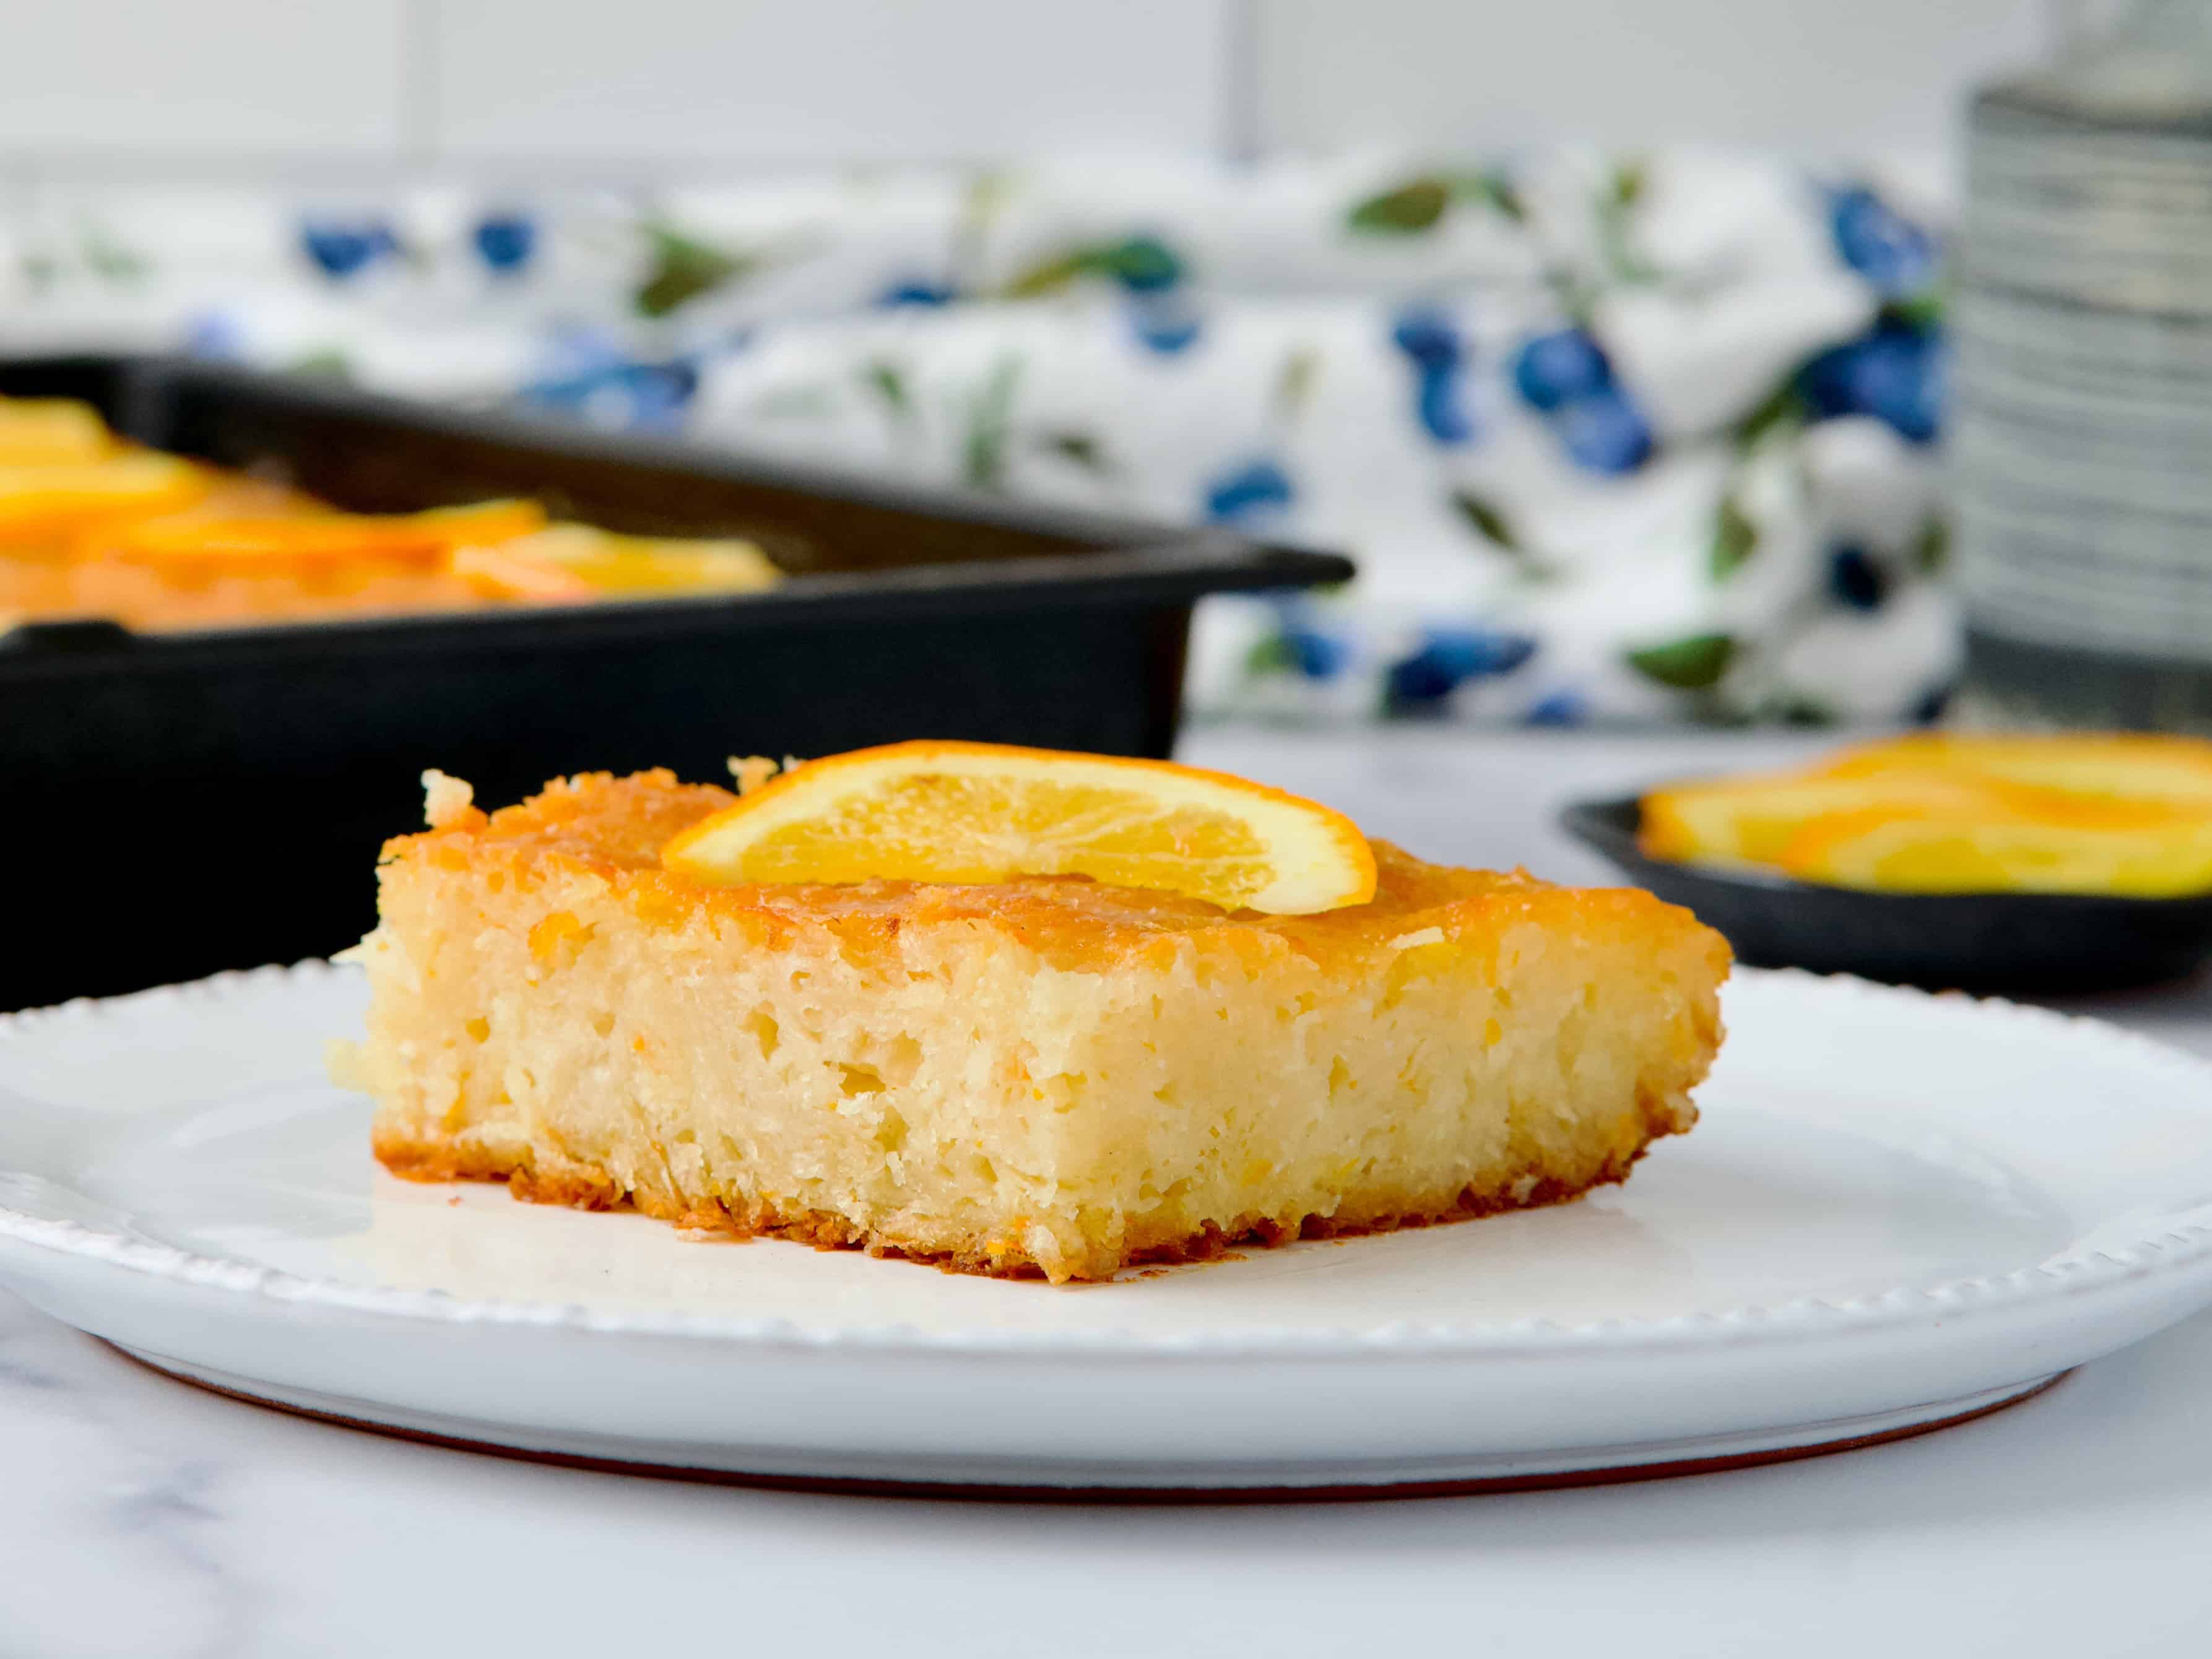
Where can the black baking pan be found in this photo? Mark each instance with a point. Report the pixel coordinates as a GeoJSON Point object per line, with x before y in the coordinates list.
{"type": "Point", "coordinates": [174, 804]}
{"type": "Point", "coordinates": [2016, 942]}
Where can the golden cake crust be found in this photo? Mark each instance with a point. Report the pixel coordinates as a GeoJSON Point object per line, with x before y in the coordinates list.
{"type": "Point", "coordinates": [611, 830]}
{"type": "Point", "coordinates": [587, 1187]}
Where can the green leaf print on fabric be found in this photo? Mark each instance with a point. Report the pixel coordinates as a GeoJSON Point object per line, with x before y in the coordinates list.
{"type": "Point", "coordinates": [1048, 275]}
{"type": "Point", "coordinates": [683, 268]}
{"type": "Point", "coordinates": [328, 364]}
{"type": "Point", "coordinates": [1141, 263]}
{"type": "Point", "coordinates": [1799, 708]}
{"type": "Point", "coordinates": [1615, 208]}
{"type": "Point", "coordinates": [1273, 655]}
{"type": "Point", "coordinates": [111, 261]}
{"type": "Point", "coordinates": [1495, 189]}
{"type": "Point", "coordinates": [1294, 384]}
{"type": "Point", "coordinates": [1408, 209]}
{"type": "Point", "coordinates": [1083, 449]}
{"type": "Point", "coordinates": [990, 422]}
{"type": "Point", "coordinates": [1692, 663]}
{"type": "Point", "coordinates": [1783, 407]}
{"type": "Point", "coordinates": [1489, 521]}
{"type": "Point", "coordinates": [1923, 312]}
{"type": "Point", "coordinates": [1932, 552]}
{"type": "Point", "coordinates": [1735, 538]}
{"type": "Point", "coordinates": [888, 381]}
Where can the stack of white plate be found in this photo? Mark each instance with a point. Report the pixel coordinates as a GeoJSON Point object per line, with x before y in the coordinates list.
{"type": "Point", "coordinates": [2083, 381]}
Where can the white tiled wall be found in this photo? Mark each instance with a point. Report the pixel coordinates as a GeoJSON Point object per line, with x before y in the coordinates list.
{"type": "Point", "coordinates": [1872, 75]}
{"type": "Point", "coordinates": [149, 79]}
{"type": "Point", "coordinates": [666, 80]}
{"type": "Point", "coordinates": [654, 82]}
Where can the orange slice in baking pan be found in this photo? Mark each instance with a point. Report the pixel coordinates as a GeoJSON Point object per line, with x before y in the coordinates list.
{"type": "Point", "coordinates": [42, 499]}
{"type": "Point", "coordinates": [313, 536]}
{"type": "Point", "coordinates": [44, 430]}
{"type": "Point", "coordinates": [944, 811]}
{"type": "Point", "coordinates": [600, 561]}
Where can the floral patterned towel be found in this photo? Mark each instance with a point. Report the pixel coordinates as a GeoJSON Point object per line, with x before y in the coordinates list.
{"type": "Point", "coordinates": [1612, 438]}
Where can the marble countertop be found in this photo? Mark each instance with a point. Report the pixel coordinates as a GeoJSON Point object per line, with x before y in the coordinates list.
{"type": "Point", "coordinates": [141, 1516]}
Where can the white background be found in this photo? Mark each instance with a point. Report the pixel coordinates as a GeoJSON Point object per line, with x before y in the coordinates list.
{"type": "Point", "coordinates": [614, 83]}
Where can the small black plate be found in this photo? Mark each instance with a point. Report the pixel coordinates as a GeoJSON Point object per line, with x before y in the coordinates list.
{"type": "Point", "coordinates": [1979, 941]}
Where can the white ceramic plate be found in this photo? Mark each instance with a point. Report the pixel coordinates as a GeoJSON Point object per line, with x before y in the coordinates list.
{"type": "Point", "coordinates": [1898, 1209]}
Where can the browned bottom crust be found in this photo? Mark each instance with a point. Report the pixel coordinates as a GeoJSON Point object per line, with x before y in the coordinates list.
{"type": "Point", "coordinates": [587, 1187]}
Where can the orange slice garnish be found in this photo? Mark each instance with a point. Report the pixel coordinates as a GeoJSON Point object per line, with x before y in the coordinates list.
{"type": "Point", "coordinates": [938, 812]}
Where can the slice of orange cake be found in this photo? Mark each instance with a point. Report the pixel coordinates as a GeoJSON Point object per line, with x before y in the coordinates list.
{"type": "Point", "coordinates": [758, 1016]}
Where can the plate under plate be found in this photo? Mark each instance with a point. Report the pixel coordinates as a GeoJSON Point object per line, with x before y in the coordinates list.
{"type": "Point", "coordinates": [1898, 1209]}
